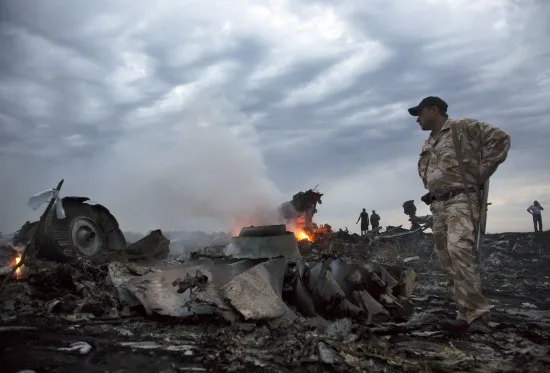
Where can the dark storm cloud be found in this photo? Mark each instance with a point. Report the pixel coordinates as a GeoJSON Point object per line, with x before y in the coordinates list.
{"type": "Point", "coordinates": [279, 98]}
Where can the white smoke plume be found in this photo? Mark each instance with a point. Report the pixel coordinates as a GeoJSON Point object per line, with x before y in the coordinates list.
{"type": "Point", "coordinates": [202, 171]}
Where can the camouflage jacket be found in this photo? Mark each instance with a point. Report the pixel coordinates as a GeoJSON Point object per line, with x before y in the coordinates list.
{"type": "Point", "coordinates": [484, 148]}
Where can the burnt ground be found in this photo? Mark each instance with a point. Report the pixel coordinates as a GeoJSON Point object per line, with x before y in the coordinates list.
{"type": "Point", "coordinates": [515, 280]}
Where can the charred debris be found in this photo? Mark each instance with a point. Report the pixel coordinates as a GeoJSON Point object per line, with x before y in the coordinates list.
{"type": "Point", "coordinates": [264, 300]}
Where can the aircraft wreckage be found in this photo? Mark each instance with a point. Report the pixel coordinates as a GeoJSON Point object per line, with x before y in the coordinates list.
{"type": "Point", "coordinates": [87, 230]}
{"type": "Point", "coordinates": [244, 281]}
{"type": "Point", "coordinates": [272, 303]}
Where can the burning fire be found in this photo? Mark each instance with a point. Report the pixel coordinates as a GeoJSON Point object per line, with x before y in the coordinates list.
{"type": "Point", "coordinates": [18, 270]}
{"type": "Point", "coordinates": [301, 235]}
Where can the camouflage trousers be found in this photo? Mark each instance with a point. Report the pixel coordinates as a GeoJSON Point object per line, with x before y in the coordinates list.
{"type": "Point", "coordinates": [455, 237]}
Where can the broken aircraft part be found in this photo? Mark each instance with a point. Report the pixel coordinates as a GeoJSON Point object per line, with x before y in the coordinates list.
{"type": "Point", "coordinates": [301, 208]}
{"type": "Point", "coordinates": [253, 289]}
{"type": "Point", "coordinates": [257, 293]}
{"type": "Point", "coordinates": [88, 231]}
{"type": "Point", "coordinates": [264, 246]}
{"type": "Point", "coordinates": [301, 297]}
{"type": "Point", "coordinates": [162, 292]}
{"type": "Point", "coordinates": [263, 231]}
{"type": "Point", "coordinates": [153, 246]}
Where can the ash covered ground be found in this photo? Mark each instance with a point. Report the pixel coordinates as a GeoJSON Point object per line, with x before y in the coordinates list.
{"type": "Point", "coordinates": [43, 315]}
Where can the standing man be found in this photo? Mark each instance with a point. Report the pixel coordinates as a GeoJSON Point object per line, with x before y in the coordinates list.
{"type": "Point", "coordinates": [364, 217]}
{"type": "Point", "coordinates": [536, 210]}
{"type": "Point", "coordinates": [452, 181]}
{"type": "Point", "coordinates": [374, 220]}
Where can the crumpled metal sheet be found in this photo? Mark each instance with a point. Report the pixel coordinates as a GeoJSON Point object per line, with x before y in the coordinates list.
{"type": "Point", "coordinates": [301, 297]}
{"type": "Point", "coordinates": [248, 287]}
{"type": "Point", "coordinates": [119, 275]}
{"type": "Point", "coordinates": [252, 289]}
{"type": "Point", "coordinates": [257, 292]}
{"type": "Point", "coordinates": [162, 292]}
{"type": "Point", "coordinates": [158, 293]}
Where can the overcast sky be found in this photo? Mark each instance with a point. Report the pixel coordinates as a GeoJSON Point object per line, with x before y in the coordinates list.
{"type": "Point", "coordinates": [193, 114]}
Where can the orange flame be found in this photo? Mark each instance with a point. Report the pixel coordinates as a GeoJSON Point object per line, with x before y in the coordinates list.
{"type": "Point", "coordinates": [301, 235]}
{"type": "Point", "coordinates": [18, 270]}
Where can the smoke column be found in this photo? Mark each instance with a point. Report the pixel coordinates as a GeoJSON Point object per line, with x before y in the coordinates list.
{"type": "Point", "coordinates": [204, 171]}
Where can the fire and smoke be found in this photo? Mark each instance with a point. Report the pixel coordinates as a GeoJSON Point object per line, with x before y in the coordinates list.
{"type": "Point", "coordinates": [302, 235]}
{"type": "Point", "coordinates": [297, 226]}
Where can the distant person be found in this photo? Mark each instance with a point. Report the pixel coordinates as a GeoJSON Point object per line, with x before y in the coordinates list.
{"type": "Point", "coordinates": [536, 210]}
{"type": "Point", "coordinates": [364, 217]}
{"type": "Point", "coordinates": [374, 220]}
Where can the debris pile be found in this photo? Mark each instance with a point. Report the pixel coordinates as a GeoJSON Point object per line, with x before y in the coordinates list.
{"type": "Point", "coordinates": [346, 303]}
{"type": "Point", "coordinates": [231, 289]}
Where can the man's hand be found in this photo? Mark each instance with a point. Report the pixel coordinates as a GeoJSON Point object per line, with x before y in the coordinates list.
{"type": "Point", "coordinates": [427, 198]}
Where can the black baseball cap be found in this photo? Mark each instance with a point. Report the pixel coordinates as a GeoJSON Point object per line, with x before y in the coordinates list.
{"type": "Point", "coordinates": [429, 101]}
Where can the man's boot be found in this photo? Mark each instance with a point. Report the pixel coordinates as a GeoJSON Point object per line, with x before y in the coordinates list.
{"type": "Point", "coordinates": [459, 327]}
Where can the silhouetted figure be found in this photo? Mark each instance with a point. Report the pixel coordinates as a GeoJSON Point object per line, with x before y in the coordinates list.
{"type": "Point", "coordinates": [374, 220]}
{"type": "Point", "coordinates": [410, 209]}
{"type": "Point", "coordinates": [364, 217]}
{"type": "Point", "coordinates": [536, 210]}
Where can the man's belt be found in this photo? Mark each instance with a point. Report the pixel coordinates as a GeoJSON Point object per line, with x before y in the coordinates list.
{"type": "Point", "coordinates": [453, 193]}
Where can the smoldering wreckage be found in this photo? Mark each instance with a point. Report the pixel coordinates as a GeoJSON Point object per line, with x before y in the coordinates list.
{"type": "Point", "coordinates": [266, 300]}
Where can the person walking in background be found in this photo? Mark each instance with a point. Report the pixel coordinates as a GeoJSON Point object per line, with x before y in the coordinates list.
{"type": "Point", "coordinates": [374, 220]}
{"type": "Point", "coordinates": [536, 210]}
{"type": "Point", "coordinates": [364, 217]}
